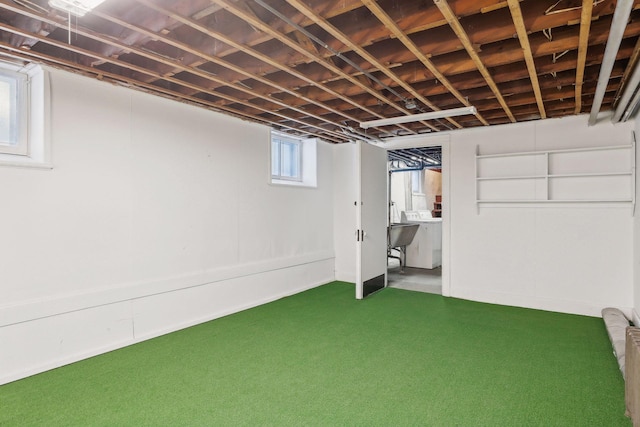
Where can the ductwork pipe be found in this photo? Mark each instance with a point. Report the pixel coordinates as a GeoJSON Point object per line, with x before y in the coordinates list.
{"type": "Point", "coordinates": [625, 107]}
{"type": "Point", "coordinates": [618, 25]}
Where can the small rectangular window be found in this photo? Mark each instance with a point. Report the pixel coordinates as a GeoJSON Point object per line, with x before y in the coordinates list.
{"type": "Point", "coordinates": [286, 158]}
{"type": "Point", "coordinates": [23, 115]}
{"type": "Point", "coordinates": [13, 112]}
{"type": "Point", "coordinates": [417, 182]}
{"type": "Point", "coordinates": [293, 161]}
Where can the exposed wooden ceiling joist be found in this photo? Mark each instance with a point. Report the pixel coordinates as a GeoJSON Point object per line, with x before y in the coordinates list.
{"type": "Point", "coordinates": [516, 13]}
{"type": "Point", "coordinates": [583, 45]}
{"type": "Point", "coordinates": [256, 23]}
{"type": "Point", "coordinates": [375, 8]}
{"type": "Point", "coordinates": [258, 55]}
{"type": "Point", "coordinates": [302, 8]}
{"type": "Point", "coordinates": [86, 33]}
{"type": "Point", "coordinates": [457, 28]}
{"type": "Point", "coordinates": [321, 66]}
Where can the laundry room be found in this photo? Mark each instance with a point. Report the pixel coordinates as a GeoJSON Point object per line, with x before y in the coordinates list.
{"type": "Point", "coordinates": [415, 218]}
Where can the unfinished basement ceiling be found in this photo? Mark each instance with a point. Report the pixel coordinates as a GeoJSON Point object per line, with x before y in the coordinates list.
{"type": "Point", "coordinates": [415, 158]}
{"type": "Point", "coordinates": [320, 67]}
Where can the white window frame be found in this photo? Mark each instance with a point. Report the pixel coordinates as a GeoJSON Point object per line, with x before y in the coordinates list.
{"type": "Point", "coordinates": [18, 143]}
{"type": "Point", "coordinates": [279, 140]}
{"type": "Point", "coordinates": [33, 147]}
{"type": "Point", "coordinates": [308, 166]}
{"type": "Point", "coordinates": [417, 181]}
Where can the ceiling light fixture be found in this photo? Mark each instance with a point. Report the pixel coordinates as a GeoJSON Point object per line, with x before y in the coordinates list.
{"type": "Point", "coordinates": [417, 117]}
{"type": "Point", "coordinates": [75, 7]}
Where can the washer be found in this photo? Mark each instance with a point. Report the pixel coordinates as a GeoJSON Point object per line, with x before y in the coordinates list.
{"type": "Point", "coordinates": [426, 249]}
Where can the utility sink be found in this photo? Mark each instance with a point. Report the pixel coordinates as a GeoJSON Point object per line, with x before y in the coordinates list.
{"type": "Point", "coordinates": [402, 234]}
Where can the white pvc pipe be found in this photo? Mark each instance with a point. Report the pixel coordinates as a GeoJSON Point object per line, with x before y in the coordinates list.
{"type": "Point", "coordinates": [631, 107]}
{"type": "Point", "coordinates": [630, 89]}
{"type": "Point", "coordinates": [618, 25]}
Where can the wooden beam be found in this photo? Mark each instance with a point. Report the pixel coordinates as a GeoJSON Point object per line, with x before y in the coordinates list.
{"type": "Point", "coordinates": [409, 21]}
{"type": "Point", "coordinates": [238, 69]}
{"type": "Point", "coordinates": [516, 14]}
{"type": "Point", "coordinates": [136, 84]}
{"type": "Point", "coordinates": [400, 35]}
{"type": "Point", "coordinates": [250, 51]}
{"type": "Point", "coordinates": [339, 35]}
{"type": "Point", "coordinates": [441, 41]}
{"type": "Point", "coordinates": [457, 28]}
{"type": "Point", "coordinates": [256, 23]}
{"type": "Point", "coordinates": [583, 44]}
{"type": "Point", "coordinates": [187, 60]}
{"type": "Point", "coordinates": [339, 89]}
{"type": "Point", "coordinates": [332, 8]}
{"type": "Point", "coordinates": [509, 49]}
{"type": "Point", "coordinates": [158, 59]}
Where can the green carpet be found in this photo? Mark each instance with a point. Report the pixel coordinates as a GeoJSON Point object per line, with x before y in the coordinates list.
{"type": "Point", "coordinates": [323, 358]}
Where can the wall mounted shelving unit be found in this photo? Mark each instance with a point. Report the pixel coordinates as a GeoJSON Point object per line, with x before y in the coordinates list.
{"type": "Point", "coordinates": [590, 175]}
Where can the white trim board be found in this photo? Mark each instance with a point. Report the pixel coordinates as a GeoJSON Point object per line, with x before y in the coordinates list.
{"type": "Point", "coordinates": [35, 309]}
{"type": "Point", "coordinates": [533, 302]}
{"type": "Point", "coordinates": [47, 343]}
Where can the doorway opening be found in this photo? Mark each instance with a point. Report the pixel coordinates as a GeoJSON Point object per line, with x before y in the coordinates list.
{"type": "Point", "coordinates": [415, 219]}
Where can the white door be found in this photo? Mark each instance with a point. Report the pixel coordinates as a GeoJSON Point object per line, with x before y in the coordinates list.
{"type": "Point", "coordinates": [371, 222]}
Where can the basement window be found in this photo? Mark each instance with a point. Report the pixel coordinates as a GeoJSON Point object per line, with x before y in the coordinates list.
{"type": "Point", "coordinates": [293, 160]}
{"type": "Point", "coordinates": [417, 182]}
{"type": "Point", "coordinates": [13, 112]}
{"type": "Point", "coordinates": [22, 115]}
{"type": "Point", "coordinates": [286, 158]}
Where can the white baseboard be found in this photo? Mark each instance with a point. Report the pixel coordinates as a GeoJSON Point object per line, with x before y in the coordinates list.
{"type": "Point", "coordinates": [57, 363]}
{"type": "Point", "coordinates": [345, 277]}
{"type": "Point", "coordinates": [537, 303]}
{"type": "Point", "coordinates": [236, 309]}
{"type": "Point", "coordinates": [24, 311]}
{"type": "Point", "coordinates": [49, 342]}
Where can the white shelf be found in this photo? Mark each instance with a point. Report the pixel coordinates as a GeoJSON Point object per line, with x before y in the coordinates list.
{"type": "Point", "coordinates": [515, 201]}
{"type": "Point", "coordinates": [564, 175]}
{"type": "Point", "coordinates": [587, 175]}
{"type": "Point", "coordinates": [545, 182]}
{"type": "Point", "coordinates": [568, 150]}
{"type": "Point", "coordinates": [500, 178]}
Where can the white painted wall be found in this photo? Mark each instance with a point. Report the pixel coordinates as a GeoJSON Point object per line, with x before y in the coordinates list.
{"type": "Point", "coordinates": [574, 258]}
{"type": "Point", "coordinates": [567, 258]}
{"type": "Point", "coordinates": [399, 191]}
{"type": "Point", "coordinates": [636, 240]}
{"type": "Point", "coordinates": [157, 215]}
